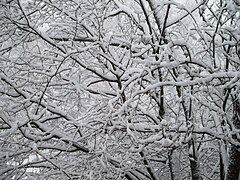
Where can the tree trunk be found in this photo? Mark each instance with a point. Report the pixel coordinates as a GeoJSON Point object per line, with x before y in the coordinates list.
{"type": "Point", "coordinates": [221, 167]}
{"type": "Point", "coordinates": [170, 164]}
{"type": "Point", "coordinates": [194, 164]}
{"type": "Point", "coordinates": [233, 171]}
{"type": "Point", "coordinates": [195, 169]}
{"type": "Point", "coordinates": [234, 164]}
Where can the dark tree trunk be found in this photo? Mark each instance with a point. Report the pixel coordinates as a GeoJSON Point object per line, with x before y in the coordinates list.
{"type": "Point", "coordinates": [194, 164]}
{"type": "Point", "coordinates": [195, 169]}
{"type": "Point", "coordinates": [170, 164]}
{"type": "Point", "coordinates": [234, 164]}
{"type": "Point", "coordinates": [222, 174]}
{"type": "Point", "coordinates": [234, 151]}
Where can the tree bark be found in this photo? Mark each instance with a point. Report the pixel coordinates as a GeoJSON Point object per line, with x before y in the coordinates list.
{"type": "Point", "coordinates": [195, 169]}
{"type": "Point", "coordinates": [233, 171]}
{"type": "Point", "coordinates": [170, 164]}
{"type": "Point", "coordinates": [234, 164]}
{"type": "Point", "coordinates": [194, 164]}
{"type": "Point", "coordinates": [221, 166]}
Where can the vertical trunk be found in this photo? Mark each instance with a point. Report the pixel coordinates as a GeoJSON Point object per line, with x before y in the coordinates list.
{"type": "Point", "coordinates": [234, 164]}
{"type": "Point", "coordinates": [221, 167]}
{"type": "Point", "coordinates": [194, 164]}
{"type": "Point", "coordinates": [174, 165]}
{"type": "Point", "coordinates": [223, 157]}
{"type": "Point", "coordinates": [170, 164]}
{"type": "Point", "coordinates": [161, 97]}
{"type": "Point", "coordinates": [195, 169]}
{"type": "Point", "coordinates": [233, 171]}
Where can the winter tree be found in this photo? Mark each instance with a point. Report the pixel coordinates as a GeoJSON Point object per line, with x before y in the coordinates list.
{"type": "Point", "coordinates": [120, 89]}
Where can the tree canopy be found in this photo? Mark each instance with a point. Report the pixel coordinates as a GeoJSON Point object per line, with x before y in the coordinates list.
{"type": "Point", "coordinates": [120, 89]}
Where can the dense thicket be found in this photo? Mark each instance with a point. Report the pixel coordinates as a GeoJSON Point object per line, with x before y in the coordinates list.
{"type": "Point", "coordinates": [119, 89]}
